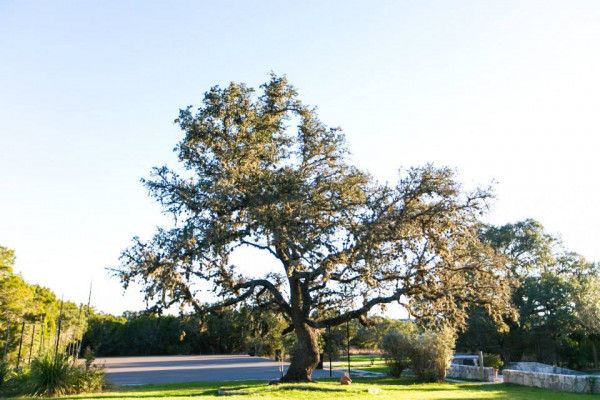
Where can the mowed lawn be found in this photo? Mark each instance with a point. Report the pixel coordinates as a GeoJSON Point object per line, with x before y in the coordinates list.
{"type": "Point", "coordinates": [401, 389]}
{"type": "Point", "coordinates": [362, 362]}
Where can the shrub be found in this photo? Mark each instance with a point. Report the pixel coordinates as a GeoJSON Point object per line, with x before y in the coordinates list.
{"type": "Point", "coordinates": [49, 376]}
{"type": "Point", "coordinates": [86, 380]}
{"type": "Point", "coordinates": [89, 357]}
{"type": "Point", "coordinates": [432, 354]}
{"type": "Point", "coordinates": [493, 360]}
{"type": "Point", "coordinates": [5, 372]}
{"type": "Point", "coordinates": [333, 344]}
{"type": "Point", "coordinates": [428, 354]}
{"type": "Point", "coordinates": [397, 348]}
{"type": "Point", "coordinates": [57, 376]}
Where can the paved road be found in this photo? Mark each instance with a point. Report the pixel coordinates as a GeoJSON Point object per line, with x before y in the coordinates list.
{"type": "Point", "coordinates": [168, 369]}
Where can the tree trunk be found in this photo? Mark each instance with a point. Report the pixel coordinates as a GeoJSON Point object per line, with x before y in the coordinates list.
{"type": "Point", "coordinates": [595, 353]}
{"type": "Point", "coordinates": [305, 357]}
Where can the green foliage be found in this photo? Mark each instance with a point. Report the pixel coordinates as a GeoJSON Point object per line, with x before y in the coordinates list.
{"type": "Point", "coordinates": [7, 260]}
{"type": "Point", "coordinates": [35, 306]}
{"type": "Point", "coordinates": [5, 372]}
{"type": "Point", "coordinates": [86, 380]}
{"type": "Point", "coordinates": [527, 247]}
{"type": "Point", "coordinates": [55, 376]}
{"type": "Point", "coordinates": [428, 353]}
{"type": "Point", "coordinates": [545, 293]}
{"type": "Point", "coordinates": [587, 302]}
{"type": "Point", "coordinates": [398, 349]}
{"type": "Point", "coordinates": [492, 360]}
{"type": "Point", "coordinates": [371, 335]}
{"type": "Point", "coordinates": [37, 310]}
{"type": "Point", "coordinates": [432, 354]}
{"type": "Point", "coordinates": [333, 343]}
{"type": "Point", "coordinates": [226, 332]}
{"type": "Point", "coordinates": [89, 356]}
{"type": "Point", "coordinates": [587, 310]}
{"type": "Point", "coordinates": [49, 375]}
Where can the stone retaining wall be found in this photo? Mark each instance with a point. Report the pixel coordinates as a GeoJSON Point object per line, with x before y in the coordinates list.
{"type": "Point", "coordinates": [539, 367]}
{"type": "Point", "coordinates": [470, 372]}
{"type": "Point", "coordinates": [558, 382]}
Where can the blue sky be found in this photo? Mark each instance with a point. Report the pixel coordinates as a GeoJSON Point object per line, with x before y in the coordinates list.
{"type": "Point", "coordinates": [504, 91]}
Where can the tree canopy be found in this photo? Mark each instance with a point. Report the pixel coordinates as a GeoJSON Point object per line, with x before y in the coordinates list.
{"type": "Point", "coordinates": [34, 306]}
{"type": "Point", "coordinates": [553, 294]}
{"type": "Point", "coordinates": [261, 170]}
{"type": "Point", "coordinates": [7, 260]}
{"type": "Point", "coordinates": [587, 308]}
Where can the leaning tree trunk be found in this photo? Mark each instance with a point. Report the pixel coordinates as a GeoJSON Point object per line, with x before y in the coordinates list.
{"type": "Point", "coordinates": [306, 355]}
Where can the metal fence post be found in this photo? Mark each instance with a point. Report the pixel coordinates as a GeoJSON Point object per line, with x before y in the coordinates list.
{"type": "Point", "coordinates": [31, 344]}
{"type": "Point", "coordinates": [20, 344]}
{"type": "Point", "coordinates": [58, 329]}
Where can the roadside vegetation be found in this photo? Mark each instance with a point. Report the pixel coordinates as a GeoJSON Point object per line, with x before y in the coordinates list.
{"type": "Point", "coordinates": [51, 375]}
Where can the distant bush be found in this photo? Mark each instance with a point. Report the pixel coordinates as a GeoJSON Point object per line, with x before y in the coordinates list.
{"type": "Point", "coordinates": [492, 360]}
{"type": "Point", "coordinates": [398, 348]}
{"type": "Point", "coordinates": [429, 354]}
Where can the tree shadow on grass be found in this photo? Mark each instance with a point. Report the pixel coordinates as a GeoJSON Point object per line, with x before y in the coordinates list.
{"type": "Point", "coordinates": [403, 388]}
{"type": "Point", "coordinates": [149, 394]}
{"type": "Point", "coordinates": [186, 389]}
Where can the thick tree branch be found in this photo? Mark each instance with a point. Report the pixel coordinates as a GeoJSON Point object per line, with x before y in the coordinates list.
{"type": "Point", "coordinates": [357, 313]}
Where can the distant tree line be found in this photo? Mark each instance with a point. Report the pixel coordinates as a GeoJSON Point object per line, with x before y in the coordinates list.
{"type": "Point", "coordinates": [556, 294]}
{"type": "Point", "coordinates": [233, 331]}
{"type": "Point", "coordinates": [29, 317]}
{"type": "Point", "coordinates": [145, 333]}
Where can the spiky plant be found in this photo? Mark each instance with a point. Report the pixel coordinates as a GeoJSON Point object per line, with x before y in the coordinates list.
{"type": "Point", "coordinates": [50, 375]}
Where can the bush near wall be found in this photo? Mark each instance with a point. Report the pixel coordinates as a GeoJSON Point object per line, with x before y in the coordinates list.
{"type": "Point", "coordinates": [429, 354]}
{"type": "Point", "coordinates": [398, 348]}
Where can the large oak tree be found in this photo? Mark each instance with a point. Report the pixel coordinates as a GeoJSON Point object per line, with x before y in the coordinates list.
{"type": "Point", "coordinates": [262, 171]}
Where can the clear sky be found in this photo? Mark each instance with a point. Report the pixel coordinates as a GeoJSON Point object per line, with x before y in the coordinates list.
{"type": "Point", "coordinates": [500, 90]}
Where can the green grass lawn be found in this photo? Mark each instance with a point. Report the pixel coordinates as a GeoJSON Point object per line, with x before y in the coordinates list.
{"type": "Point", "coordinates": [404, 389]}
{"type": "Point", "coordinates": [360, 362]}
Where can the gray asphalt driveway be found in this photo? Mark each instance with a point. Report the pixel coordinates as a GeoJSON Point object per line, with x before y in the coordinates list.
{"type": "Point", "coordinates": [169, 369]}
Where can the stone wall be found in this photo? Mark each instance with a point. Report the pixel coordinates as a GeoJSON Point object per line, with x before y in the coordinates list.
{"type": "Point", "coordinates": [557, 382]}
{"type": "Point", "coordinates": [470, 372]}
{"type": "Point", "coordinates": [539, 367]}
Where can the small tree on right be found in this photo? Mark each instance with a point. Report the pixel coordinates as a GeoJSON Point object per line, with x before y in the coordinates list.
{"type": "Point", "coordinates": [428, 353]}
{"type": "Point", "coordinates": [549, 294]}
{"type": "Point", "coordinates": [587, 308]}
